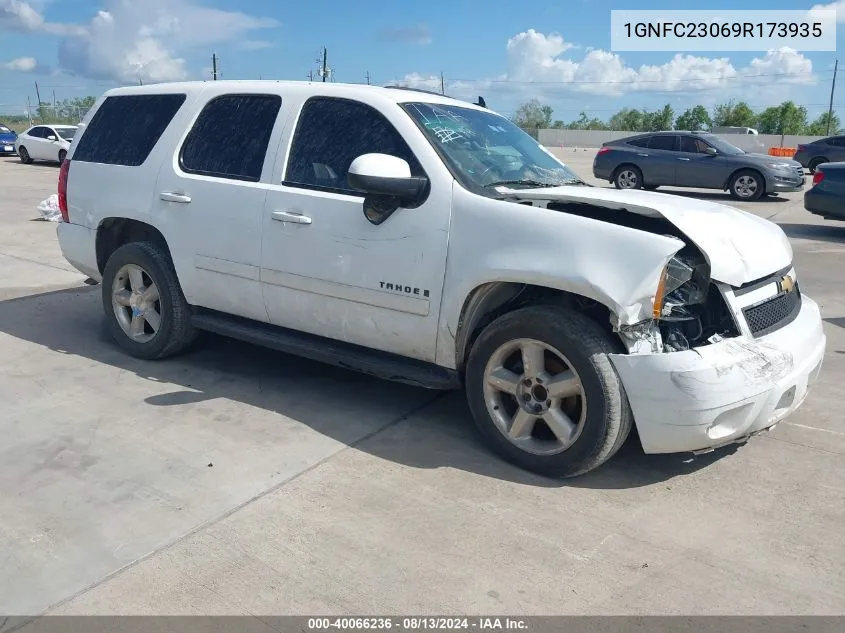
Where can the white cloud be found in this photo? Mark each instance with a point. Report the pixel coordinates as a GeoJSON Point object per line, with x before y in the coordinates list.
{"type": "Point", "coordinates": [127, 40]}
{"type": "Point", "coordinates": [21, 64]}
{"type": "Point", "coordinates": [535, 63]}
{"type": "Point", "coordinates": [839, 7]}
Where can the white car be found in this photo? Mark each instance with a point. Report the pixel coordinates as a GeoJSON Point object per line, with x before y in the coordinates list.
{"type": "Point", "coordinates": [429, 241]}
{"type": "Point", "coordinates": [45, 142]}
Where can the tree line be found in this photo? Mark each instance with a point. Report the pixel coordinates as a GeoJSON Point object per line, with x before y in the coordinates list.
{"type": "Point", "coordinates": [786, 118]}
{"type": "Point", "coordinates": [67, 111]}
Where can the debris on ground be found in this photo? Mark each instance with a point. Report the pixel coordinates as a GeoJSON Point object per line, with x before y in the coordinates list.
{"type": "Point", "coordinates": [49, 209]}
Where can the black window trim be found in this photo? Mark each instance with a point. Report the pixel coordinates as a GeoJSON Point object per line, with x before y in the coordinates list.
{"type": "Point", "coordinates": [209, 174]}
{"type": "Point", "coordinates": [344, 192]}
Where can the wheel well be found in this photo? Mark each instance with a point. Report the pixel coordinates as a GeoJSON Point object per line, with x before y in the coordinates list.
{"type": "Point", "coordinates": [818, 160]}
{"type": "Point", "coordinates": [115, 232]}
{"type": "Point", "coordinates": [491, 300]}
{"type": "Point", "coordinates": [736, 171]}
{"type": "Point", "coordinates": [619, 168]}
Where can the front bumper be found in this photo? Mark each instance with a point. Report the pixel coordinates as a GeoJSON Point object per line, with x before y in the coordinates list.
{"type": "Point", "coordinates": [722, 393]}
{"type": "Point", "coordinates": [783, 184]}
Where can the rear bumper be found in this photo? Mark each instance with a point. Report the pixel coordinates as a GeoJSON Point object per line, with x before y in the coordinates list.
{"type": "Point", "coordinates": [79, 248]}
{"type": "Point", "coordinates": [819, 202]}
{"type": "Point", "coordinates": [723, 393]}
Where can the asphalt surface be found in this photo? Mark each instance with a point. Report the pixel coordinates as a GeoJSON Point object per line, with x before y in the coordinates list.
{"type": "Point", "coordinates": [236, 480]}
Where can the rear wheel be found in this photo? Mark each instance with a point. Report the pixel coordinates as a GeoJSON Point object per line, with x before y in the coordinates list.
{"type": "Point", "coordinates": [544, 394]}
{"type": "Point", "coordinates": [747, 184]}
{"type": "Point", "coordinates": [628, 177]}
{"type": "Point", "coordinates": [815, 163]}
{"type": "Point", "coordinates": [146, 312]}
{"type": "Point", "coordinates": [24, 156]}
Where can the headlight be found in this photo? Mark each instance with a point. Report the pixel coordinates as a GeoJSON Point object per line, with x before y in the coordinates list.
{"type": "Point", "coordinates": [683, 282]}
{"type": "Point", "coordinates": [779, 165]}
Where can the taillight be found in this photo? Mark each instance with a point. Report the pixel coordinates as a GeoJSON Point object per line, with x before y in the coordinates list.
{"type": "Point", "coordinates": [818, 177]}
{"type": "Point", "coordinates": [603, 150]}
{"type": "Point", "coordinates": [63, 172]}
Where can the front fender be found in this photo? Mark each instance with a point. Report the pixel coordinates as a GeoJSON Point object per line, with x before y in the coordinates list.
{"type": "Point", "coordinates": [501, 241]}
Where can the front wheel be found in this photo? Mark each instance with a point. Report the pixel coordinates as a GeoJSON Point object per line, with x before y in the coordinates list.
{"type": "Point", "coordinates": [146, 312]}
{"type": "Point", "coordinates": [544, 394]}
{"type": "Point", "coordinates": [747, 185]}
{"type": "Point", "coordinates": [628, 177]}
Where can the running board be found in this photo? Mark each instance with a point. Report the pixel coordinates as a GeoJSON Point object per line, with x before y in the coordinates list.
{"type": "Point", "coordinates": [375, 363]}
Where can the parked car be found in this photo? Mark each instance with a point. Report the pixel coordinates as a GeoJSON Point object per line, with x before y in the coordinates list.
{"type": "Point", "coordinates": [7, 140]}
{"type": "Point", "coordinates": [430, 241]}
{"type": "Point", "coordinates": [45, 142]}
{"type": "Point", "coordinates": [827, 195]}
{"type": "Point", "coordinates": [694, 159]}
{"type": "Point", "coordinates": [826, 150]}
{"type": "Point", "coordinates": [734, 130]}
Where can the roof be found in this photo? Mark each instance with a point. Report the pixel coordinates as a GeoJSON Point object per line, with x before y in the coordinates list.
{"type": "Point", "coordinates": [398, 94]}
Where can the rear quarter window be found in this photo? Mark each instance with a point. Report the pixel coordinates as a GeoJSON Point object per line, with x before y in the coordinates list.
{"type": "Point", "coordinates": [126, 128]}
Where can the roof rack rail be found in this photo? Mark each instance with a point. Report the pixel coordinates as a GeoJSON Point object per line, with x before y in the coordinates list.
{"type": "Point", "coordinates": [430, 92]}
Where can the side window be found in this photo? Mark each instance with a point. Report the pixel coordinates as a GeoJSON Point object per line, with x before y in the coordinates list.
{"type": "Point", "coordinates": [640, 142]}
{"type": "Point", "coordinates": [838, 141]}
{"type": "Point", "coordinates": [693, 145]}
{"type": "Point", "coordinates": [37, 132]}
{"type": "Point", "coordinates": [664, 142]}
{"type": "Point", "coordinates": [230, 137]}
{"type": "Point", "coordinates": [125, 129]}
{"type": "Point", "coordinates": [333, 132]}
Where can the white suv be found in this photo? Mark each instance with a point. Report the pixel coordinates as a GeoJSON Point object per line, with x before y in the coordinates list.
{"type": "Point", "coordinates": [429, 241]}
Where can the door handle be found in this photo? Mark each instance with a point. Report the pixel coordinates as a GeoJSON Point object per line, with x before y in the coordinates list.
{"type": "Point", "coordinates": [291, 216]}
{"type": "Point", "coordinates": [638, 154]}
{"type": "Point", "coordinates": [168, 196]}
{"type": "Point", "coordinates": [683, 159]}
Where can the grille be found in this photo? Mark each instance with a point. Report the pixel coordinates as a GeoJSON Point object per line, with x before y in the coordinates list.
{"type": "Point", "coordinates": [799, 171]}
{"type": "Point", "coordinates": [773, 313]}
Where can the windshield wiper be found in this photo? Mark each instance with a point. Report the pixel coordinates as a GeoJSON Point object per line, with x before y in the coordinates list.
{"type": "Point", "coordinates": [534, 183]}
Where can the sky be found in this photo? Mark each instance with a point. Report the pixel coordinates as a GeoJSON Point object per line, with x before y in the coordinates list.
{"type": "Point", "coordinates": [558, 51]}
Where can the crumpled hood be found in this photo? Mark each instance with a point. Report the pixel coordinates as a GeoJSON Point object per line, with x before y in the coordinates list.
{"type": "Point", "coordinates": [739, 246]}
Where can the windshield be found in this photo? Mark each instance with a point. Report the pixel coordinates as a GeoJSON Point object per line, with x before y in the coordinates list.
{"type": "Point", "coordinates": [5, 130]}
{"type": "Point", "coordinates": [66, 132]}
{"type": "Point", "coordinates": [723, 146]}
{"type": "Point", "coordinates": [484, 149]}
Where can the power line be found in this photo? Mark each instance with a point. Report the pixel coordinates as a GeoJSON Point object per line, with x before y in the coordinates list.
{"type": "Point", "coordinates": [635, 81]}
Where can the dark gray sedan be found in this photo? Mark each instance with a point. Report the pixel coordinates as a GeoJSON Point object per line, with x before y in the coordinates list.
{"type": "Point", "coordinates": [827, 195]}
{"type": "Point", "coordinates": [694, 159]}
{"type": "Point", "coordinates": [826, 150]}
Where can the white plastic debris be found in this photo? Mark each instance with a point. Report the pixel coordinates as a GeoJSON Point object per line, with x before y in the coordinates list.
{"type": "Point", "coordinates": [49, 209]}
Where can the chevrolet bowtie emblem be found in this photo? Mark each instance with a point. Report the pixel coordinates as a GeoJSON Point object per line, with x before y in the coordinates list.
{"type": "Point", "coordinates": [786, 284]}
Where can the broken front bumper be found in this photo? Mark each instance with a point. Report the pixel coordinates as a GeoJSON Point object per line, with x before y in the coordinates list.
{"type": "Point", "coordinates": [725, 392]}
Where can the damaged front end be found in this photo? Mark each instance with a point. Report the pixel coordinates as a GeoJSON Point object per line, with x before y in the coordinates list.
{"type": "Point", "coordinates": [689, 310]}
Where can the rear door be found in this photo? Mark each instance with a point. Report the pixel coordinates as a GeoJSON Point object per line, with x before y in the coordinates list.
{"type": "Point", "coordinates": [660, 162]}
{"type": "Point", "coordinates": [210, 194]}
{"type": "Point", "coordinates": [36, 142]}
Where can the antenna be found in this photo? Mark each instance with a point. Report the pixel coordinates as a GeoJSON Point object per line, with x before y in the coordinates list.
{"type": "Point", "coordinates": [214, 66]}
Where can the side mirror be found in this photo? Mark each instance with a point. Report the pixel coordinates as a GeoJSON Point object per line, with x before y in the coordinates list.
{"type": "Point", "coordinates": [52, 138]}
{"type": "Point", "coordinates": [711, 151]}
{"type": "Point", "coordinates": [388, 183]}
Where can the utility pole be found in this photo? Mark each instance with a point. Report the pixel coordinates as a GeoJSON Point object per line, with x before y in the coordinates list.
{"type": "Point", "coordinates": [442, 84]}
{"type": "Point", "coordinates": [325, 69]}
{"type": "Point", "coordinates": [310, 75]}
{"type": "Point", "coordinates": [832, 86]}
{"type": "Point", "coordinates": [28, 110]}
{"type": "Point", "coordinates": [368, 77]}
{"type": "Point", "coordinates": [214, 66]}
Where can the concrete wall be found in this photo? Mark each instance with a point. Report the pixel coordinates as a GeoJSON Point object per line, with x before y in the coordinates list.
{"type": "Point", "coordinates": [595, 138]}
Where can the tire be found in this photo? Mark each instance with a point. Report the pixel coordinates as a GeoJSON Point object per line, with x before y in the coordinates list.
{"type": "Point", "coordinates": [174, 332]}
{"type": "Point", "coordinates": [26, 159]}
{"type": "Point", "coordinates": [628, 177]}
{"type": "Point", "coordinates": [570, 339]}
{"type": "Point", "coordinates": [741, 186]}
{"type": "Point", "coordinates": [62, 156]}
{"type": "Point", "coordinates": [815, 163]}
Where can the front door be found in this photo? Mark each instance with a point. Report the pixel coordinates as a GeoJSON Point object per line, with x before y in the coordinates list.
{"type": "Point", "coordinates": [697, 168]}
{"type": "Point", "coordinates": [210, 201]}
{"type": "Point", "coordinates": [325, 269]}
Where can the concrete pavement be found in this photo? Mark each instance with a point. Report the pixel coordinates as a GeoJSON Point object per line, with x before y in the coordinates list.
{"type": "Point", "coordinates": [237, 480]}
